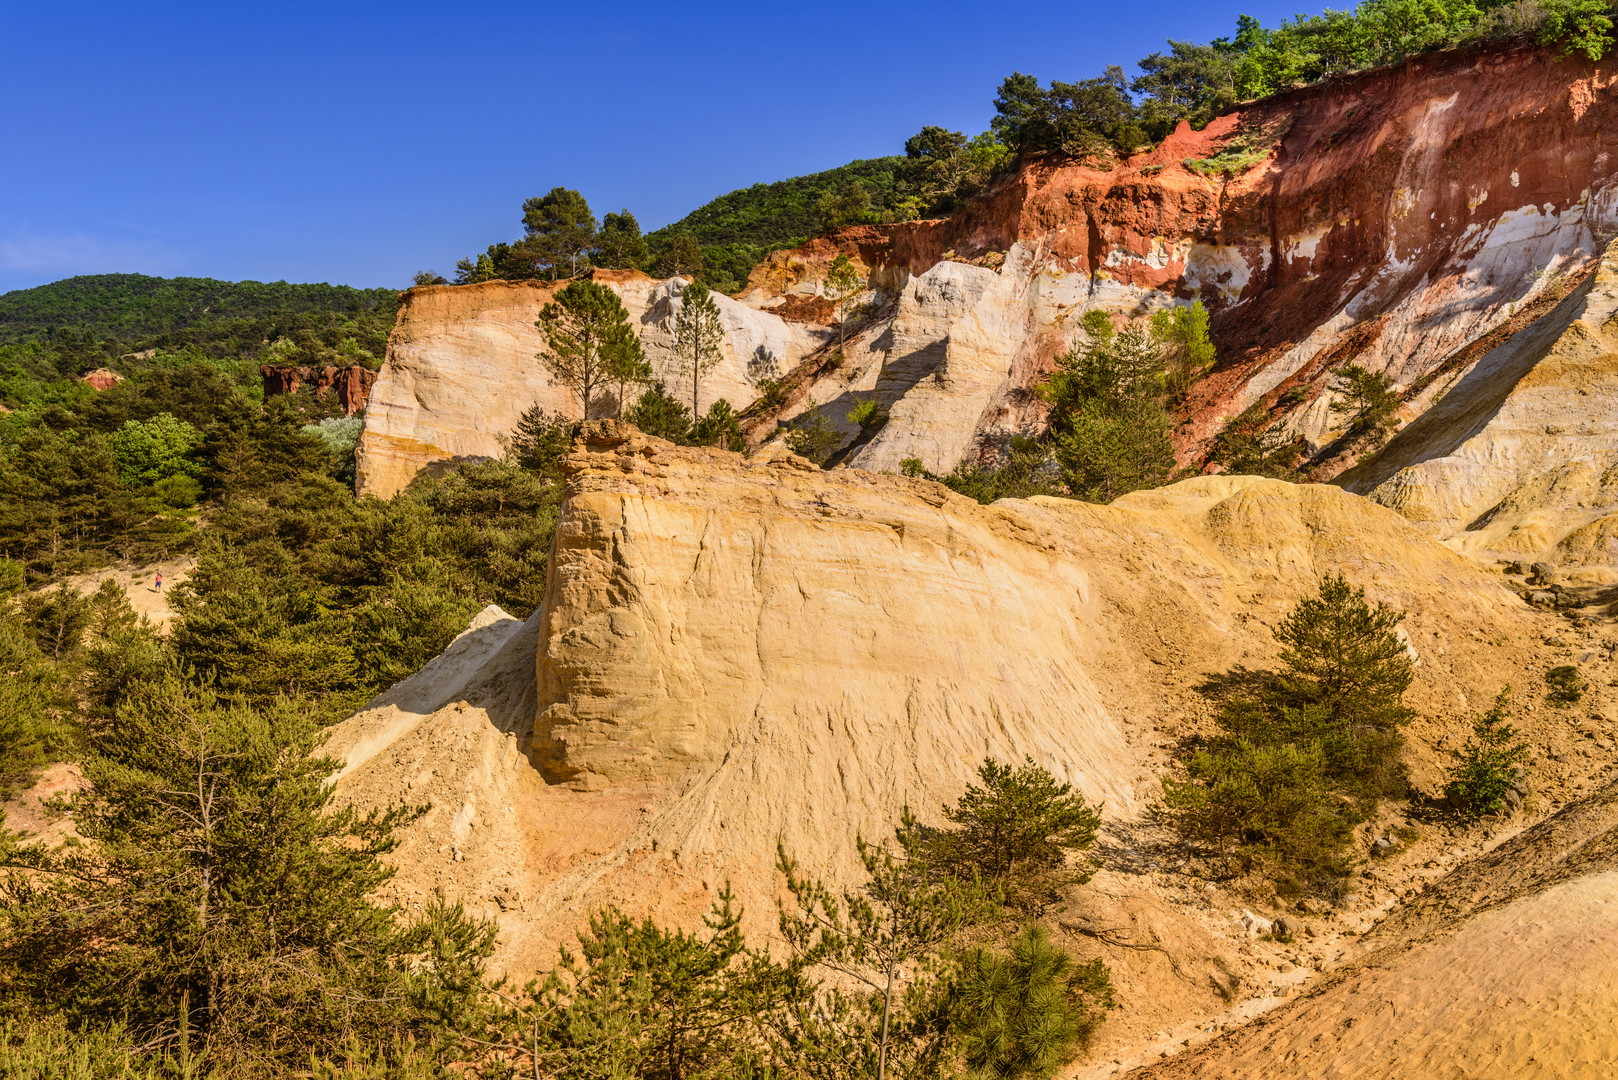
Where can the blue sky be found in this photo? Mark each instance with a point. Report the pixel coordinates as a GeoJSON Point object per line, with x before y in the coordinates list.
{"type": "Point", "coordinates": [357, 143]}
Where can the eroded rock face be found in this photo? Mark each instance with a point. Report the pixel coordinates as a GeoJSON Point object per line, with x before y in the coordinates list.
{"type": "Point", "coordinates": [738, 650]}
{"type": "Point", "coordinates": [1390, 218]}
{"type": "Point", "coordinates": [1518, 460]}
{"type": "Point", "coordinates": [351, 384]}
{"type": "Point", "coordinates": [463, 365]}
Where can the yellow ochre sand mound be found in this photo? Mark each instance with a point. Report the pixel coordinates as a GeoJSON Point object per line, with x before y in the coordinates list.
{"type": "Point", "coordinates": [737, 650]}
{"type": "Point", "coordinates": [1507, 968]}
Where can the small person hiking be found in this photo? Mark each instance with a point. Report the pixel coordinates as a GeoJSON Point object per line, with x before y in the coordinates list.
{"type": "Point", "coordinates": [160, 581]}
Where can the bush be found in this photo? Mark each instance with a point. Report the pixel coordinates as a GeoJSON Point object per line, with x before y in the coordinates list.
{"type": "Point", "coordinates": [1028, 470]}
{"type": "Point", "coordinates": [1295, 767]}
{"type": "Point", "coordinates": [178, 492]}
{"type": "Point", "coordinates": [720, 427]}
{"type": "Point", "coordinates": [1018, 831]}
{"type": "Point", "coordinates": [1029, 1012]}
{"type": "Point", "coordinates": [1489, 762]}
{"type": "Point", "coordinates": [813, 436]}
{"type": "Point", "coordinates": [1567, 686]}
{"type": "Point", "coordinates": [661, 414]}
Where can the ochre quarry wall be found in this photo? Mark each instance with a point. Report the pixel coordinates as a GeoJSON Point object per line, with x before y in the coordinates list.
{"type": "Point", "coordinates": [1392, 218]}
{"type": "Point", "coordinates": [738, 650]}
{"type": "Point", "coordinates": [1389, 218]}
{"type": "Point", "coordinates": [463, 365]}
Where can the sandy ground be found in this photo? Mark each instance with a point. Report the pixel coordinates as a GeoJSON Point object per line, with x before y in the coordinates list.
{"type": "Point", "coordinates": [140, 585]}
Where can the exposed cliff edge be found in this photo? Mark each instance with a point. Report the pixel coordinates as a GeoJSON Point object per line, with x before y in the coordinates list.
{"type": "Point", "coordinates": [738, 649]}
{"type": "Point", "coordinates": [463, 365]}
{"type": "Point", "coordinates": [1392, 218]}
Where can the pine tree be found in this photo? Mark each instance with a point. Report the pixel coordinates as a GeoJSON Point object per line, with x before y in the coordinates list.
{"type": "Point", "coordinates": [1489, 761]}
{"type": "Point", "coordinates": [659, 413]}
{"type": "Point", "coordinates": [561, 230]}
{"type": "Point", "coordinates": [843, 288]}
{"type": "Point", "coordinates": [880, 937]}
{"type": "Point", "coordinates": [1018, 831]}
{"type": "Point", "coordinates": [681, 257]}
{"type": "Point", "coordinates": [1367, 398]}
{"type": "Point", "coordinates": [1029, 1012]}
{"type": "Point", "coordinates": [590, 342]}
{"type": "Point", "coordinates": [1109, 430]}
{"type": "Point", "coordinates": [720, 427]}
{"type": "Point", "coordinates": [218, 893]}
{"type": "Point", "coordinates": [619, 244]}
{"type": "Point", "coordinates": [698, 333]}
{"type": "Point", "coordinates": [1298, 765]}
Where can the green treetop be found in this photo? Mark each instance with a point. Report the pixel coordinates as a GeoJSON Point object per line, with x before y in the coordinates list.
{"type": "Point", "coordinates": [591, 343]}
{"type": "Point", "coordinates": [560, 231]}
{"type": "Point", "coordinates": [697, 335]}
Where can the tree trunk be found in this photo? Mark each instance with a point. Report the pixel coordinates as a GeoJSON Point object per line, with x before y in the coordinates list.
{"type": "Point", "coordinates": [887, 1009]}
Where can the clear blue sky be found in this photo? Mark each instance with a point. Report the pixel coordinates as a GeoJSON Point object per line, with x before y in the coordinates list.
{"type": "Point", "coordinates": [359, 142]}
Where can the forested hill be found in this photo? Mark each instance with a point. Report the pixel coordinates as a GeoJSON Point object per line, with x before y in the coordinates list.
{"type": "Point", "coordinates": [738, 229]}
{"type": "Point", "coordinates": [135, 307]}
{"type": "Point", "coordinates": [787, 212]}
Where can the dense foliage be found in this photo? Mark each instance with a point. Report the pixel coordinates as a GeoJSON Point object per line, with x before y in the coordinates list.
{"type": "Point", "coordinates": [1195, 82]}
{"type": "Point", "coordinates": [70, 326]}
{"type": "Point", "coordinates": [1302, 755]}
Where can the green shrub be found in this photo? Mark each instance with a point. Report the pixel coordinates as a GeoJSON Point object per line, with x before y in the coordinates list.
{"type": "Point", "coordinates": [1027, 1013]}
{"type": "Point", "coordinates": [813, 436]}
{"type": "Point", "coordinates": [1018, 831]}
{"type": "Point", "coordinates": [867, 412]}
{"type": "Point", "coordinates": [661, 414]}
{"type": "Point", "coordinates": [1567, 686]}
{"type": "Point", "coordinates": [720, 427]}
{"type": "Point", "coordinates": [178, 492]}
{"type": "Point", "coordinates": [1489, 762]}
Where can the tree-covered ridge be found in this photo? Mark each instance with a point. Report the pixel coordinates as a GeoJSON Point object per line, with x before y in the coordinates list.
{"type": "Point", "coordinates": [132, 322]}
{"type": "Point", "coordinates": [132, 307]}
{"type": "Point", "coordinates": [787, 212]}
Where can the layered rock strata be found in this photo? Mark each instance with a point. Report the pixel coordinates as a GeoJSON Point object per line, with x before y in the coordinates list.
{"type": "Point", "coordinates": [1392, 218]}
{"type": "Point", "coordinates": [1518, 460]}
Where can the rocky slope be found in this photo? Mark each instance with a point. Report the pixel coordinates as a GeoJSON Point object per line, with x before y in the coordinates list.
{"type": "Point", "coordinates": [738, 649]}
{"type": "Point", "coordinates": [1503, 968]}
{"type": "Point", "coordinates": [1516, 461]}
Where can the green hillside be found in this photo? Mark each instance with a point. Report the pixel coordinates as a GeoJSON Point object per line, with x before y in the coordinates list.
{"type": "Point", "coordinates": [68, 326]}
{"type": "Point", "coordinates": [133, 307]}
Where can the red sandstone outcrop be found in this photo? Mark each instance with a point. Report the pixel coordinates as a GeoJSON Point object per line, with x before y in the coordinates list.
{"type": "Point", "coordinates": [352, 384]}
{"type": "Point", "coordinates": [102, 378]}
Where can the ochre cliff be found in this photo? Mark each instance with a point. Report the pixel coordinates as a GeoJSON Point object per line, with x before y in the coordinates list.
{"type": "Point", "coordinates": [352, 384]}
{"type": "Point", "coordinates": [463, 365]}
{"type": "Point", "coordinates": [1388, 218]}
{"type": "Point", "coordinates": [1391, 218]}
{"type": "Point", "coordinates": [1518, 460]}
{"type": "Point", "coordinates": [733, 650]}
